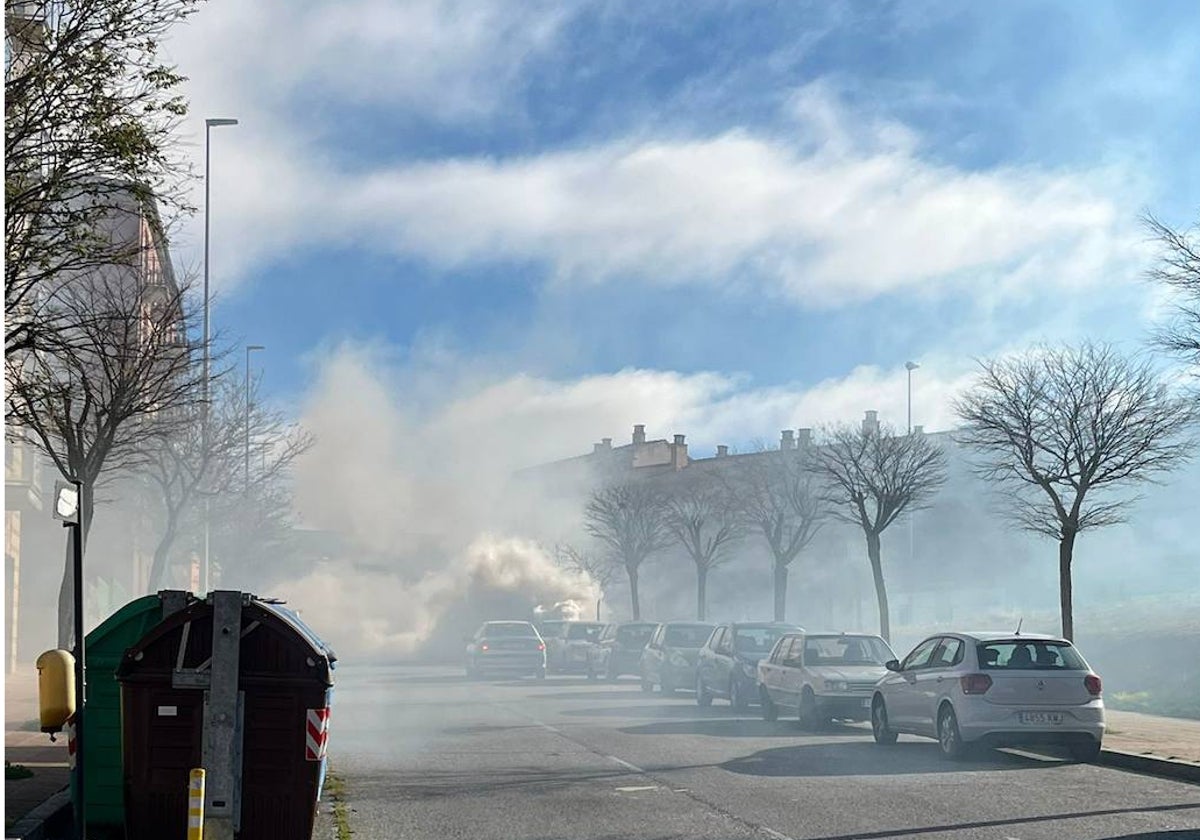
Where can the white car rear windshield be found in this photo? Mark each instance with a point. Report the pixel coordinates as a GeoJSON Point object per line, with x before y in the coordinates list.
{"type": "Point", "coordinates": [498, 631]}
{"type": "Point", "coordinates": [846, 650]}
{"type": "Point", "coordinates": [687, 636]}
{"type": "Point", "coordinates": [1031, 655]}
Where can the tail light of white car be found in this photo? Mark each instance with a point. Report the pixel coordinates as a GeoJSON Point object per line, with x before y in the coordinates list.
{"type": "Point", "coordinates": [975, 683]}
{"type": "Point", "coordinates": [1092, 683]}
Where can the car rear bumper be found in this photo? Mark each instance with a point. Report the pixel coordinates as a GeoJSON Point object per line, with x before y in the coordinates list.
{"type": "Point", "coordinates": [845, 706]}
{"type": "Point", "coordinates": [511, 662]}
{"type": "Point", "coordinates": [1002, 724]}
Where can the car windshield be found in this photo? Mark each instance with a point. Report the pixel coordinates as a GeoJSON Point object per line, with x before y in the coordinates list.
{"type": "Point", "coordinates": [584, 632]}
{"type": "Point", "coordinates": [846, 650]}
{"type": "Point", "coordinates": [635, 636]}
{"type": "Point", "coordinates": [757, 640]}
{"type": "Point", "coordinates": [1031, 655]}
{"type": "Point", "coordinates": [687, 635]}
{"type": "Point", "coordinates": [552, 628]}
{"type": "Point", "coordinates": [502, 631]}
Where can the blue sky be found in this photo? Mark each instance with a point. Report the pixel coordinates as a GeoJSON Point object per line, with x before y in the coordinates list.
{"type": "Point", "coordinates": [788, 198]}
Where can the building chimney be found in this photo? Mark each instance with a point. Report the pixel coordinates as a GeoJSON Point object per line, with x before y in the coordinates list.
{"type": "Point", "coordinates": [787, 439]}
{"type": "Point", "coordinates": [639, 433]}
{"type": "Point", "coordinates": [871, 423]}
{"type": "Point", "coordinates": [805, 436]}
{"type": "Point", "coordinates": [606, 443]}
{"type": "Point", "coordinates": [918, 430]}
{"type": "Point", "coordinates": [597, 448]}
{"type": "Point", "coordinates": [679, 456]}
{"type": "Point", "coordinates": [722, 451]}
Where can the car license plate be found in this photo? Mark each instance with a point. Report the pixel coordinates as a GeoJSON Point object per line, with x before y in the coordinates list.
{"type": "Point", "coordinates": [1040, 718]}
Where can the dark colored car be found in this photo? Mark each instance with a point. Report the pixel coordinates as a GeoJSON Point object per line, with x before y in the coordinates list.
{"type": "Point", "coordinates": [619, 649]}
{"type": "Point", "coordinates": [511, 647]}
{"type": "Point", "coordinates": [728, 663]}
{"type": "Point", "coordinates": [669, 660]}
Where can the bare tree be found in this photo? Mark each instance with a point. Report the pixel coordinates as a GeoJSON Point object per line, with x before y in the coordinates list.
{"type": "Point", "coordinates": [1062, 429]}
{"type": "Point", "coordinates": [702, 517]}
{"type": "Point", "coordinates": [90, 112]}
{"type": "Point", "coordinates": [871, 477]}
{"type": "Point", "coordinates": [1178, 270]}
{"type": "Point", "coordinates": [184, 465]}
{"type": "Point", "coordinates": [600, 568]}
{"type": "Point", "coordinates": [90, 409]}
{"type": "Point", "coordinates": [774, 496]}
{"type": "Point", "coordinates": [627, 519]}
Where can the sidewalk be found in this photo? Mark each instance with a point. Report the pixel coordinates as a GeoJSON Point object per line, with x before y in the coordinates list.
{"type": "Point", "coordinates": [25, 745]}
{"type": "Point", "coordinates": [1177, 739]}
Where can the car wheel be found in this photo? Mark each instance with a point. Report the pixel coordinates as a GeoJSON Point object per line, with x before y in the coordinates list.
{"type": "Point", "coordinates": [703, 698]}
{"type": "Point", "coordinates": [883, 733]}
{"type": "Point", "coordinates": [738, 700]}
{"type": "Point", "coordinates": [809, 718]}
{"type": "Point", "coordinates": [1086, 752]}
{"type": "Point", "coordinates": [770, 712]}
{"type": "Point", "coordinates": [949, 736]}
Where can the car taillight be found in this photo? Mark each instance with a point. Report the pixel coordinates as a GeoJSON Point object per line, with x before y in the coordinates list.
{"type": "Point", "coordinates": [976, 683]}
{"type": "Point", "coordinates": [483, 646]}
{"type": "Point", "coordinates": [1092, 683]}
{"type": "Point", "coordinates": [541, 646]}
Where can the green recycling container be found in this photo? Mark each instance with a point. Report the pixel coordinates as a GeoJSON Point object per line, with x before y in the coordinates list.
{"type": "Point", "coordinates": [106, 645]}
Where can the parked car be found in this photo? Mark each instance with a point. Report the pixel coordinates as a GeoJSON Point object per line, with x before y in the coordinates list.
{"type": "Point", "coordinates": [506, 647]}
{"type": "Point", "coordinates": [992, 689]}
{"type": "Point", "coordinates": [727, 665]}
{"type": "Point", "coordinates": [619, 649]}
{"type": "Point", "coordinates": [669, 660]}
{"type": "Point", "coordinates": [822, 676]}
{"type": "Point", "coordinates": [567, 650]}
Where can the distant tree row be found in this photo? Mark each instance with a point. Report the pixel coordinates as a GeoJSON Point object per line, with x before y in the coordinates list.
{"type": "Point", "coordinates": [1062, 436]}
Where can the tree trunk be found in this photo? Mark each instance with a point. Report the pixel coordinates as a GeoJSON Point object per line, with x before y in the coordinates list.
{"type": "Point", "coordinates": [1066, 549]}
{"type": "Point", "coordinates": [885, 624]}
{"type": "Point", "coordinates": [633, 592]}
{"type": "Point", "coordinates": [66, 591]}
{"type": "Point", "coordinates": [158, 567]}
{"type": "Point", "coordinates": [701, 591]}
{"type": "Point", "coordinates": [780, 591]}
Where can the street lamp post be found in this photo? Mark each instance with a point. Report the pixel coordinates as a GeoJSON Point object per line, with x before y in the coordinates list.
{"type": "Point", "coordinates": [209, 124]}
{"type": "Point", "coordinates": [910, 367]}
{"type": "Point", "coordinates": [67, 503]}
{"type": "Point", "coordinates": [249, 349]}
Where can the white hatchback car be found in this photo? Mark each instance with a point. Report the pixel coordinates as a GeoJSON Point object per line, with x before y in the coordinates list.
{"type": "Point", "coordinates": [992, 689]}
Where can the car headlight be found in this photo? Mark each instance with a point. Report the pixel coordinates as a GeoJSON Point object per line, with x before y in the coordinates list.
{"type": "Point", "coordinates": [835, 685]}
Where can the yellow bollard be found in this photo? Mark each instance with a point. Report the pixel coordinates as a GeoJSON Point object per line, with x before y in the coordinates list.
{"type": "Point", "coordinates": [195, 829]}
{"type": "Point", "coordinates": [56, 689]}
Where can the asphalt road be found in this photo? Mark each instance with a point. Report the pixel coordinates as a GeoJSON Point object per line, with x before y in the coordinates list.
{"type": "Point", "coordinates": [426, 754]}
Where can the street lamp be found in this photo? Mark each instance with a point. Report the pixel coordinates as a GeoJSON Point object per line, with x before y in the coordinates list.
{"type": "Point", "coordinates": [66, 509]}
{"type": "Point", "coordinates": [209, 124]}
{"type": "Point", "coordinates": [249, 349]}
{"type": "Point", "coordinates": [910, 367]}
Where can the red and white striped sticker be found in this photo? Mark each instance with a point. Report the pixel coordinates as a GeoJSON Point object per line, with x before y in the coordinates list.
{"type": "Point", "coordinates": [316, 734]}
{"type": "Point", "coordinates": [71, 746]}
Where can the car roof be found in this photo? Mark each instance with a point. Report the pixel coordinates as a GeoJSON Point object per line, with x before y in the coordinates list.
{"type": "Point", "coordinates": [689, 624]}
{"type": "Point", "coordinates": [794, 628]}
{"type": "Point", "coordinates": [489, 623]}
{"type": "Point", "coordinates": [996, 635]}
{"type": "Point", "coordinates": [853, 635]}
{"type": "Point", "coordinates": [637, 623]}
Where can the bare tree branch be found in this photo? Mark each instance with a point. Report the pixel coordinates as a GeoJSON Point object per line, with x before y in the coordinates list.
{"type": "Point", "coordinates": [627, 519]}
{"type": "Point", "coordinates": [1062, 430]}
{"type": "Point", "coordinates": [1178, 270]}
{"type": "Point", "coordinates": [702, 517]}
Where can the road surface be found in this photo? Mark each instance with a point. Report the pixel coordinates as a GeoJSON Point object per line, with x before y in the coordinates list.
{"type": "Point", "coordinates": [426, 754]}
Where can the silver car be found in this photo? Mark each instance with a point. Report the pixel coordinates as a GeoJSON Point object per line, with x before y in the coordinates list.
{"type": "Point", "coordinates": [992, 689]}
{"type": "Point", "coordinates": [822, 676]}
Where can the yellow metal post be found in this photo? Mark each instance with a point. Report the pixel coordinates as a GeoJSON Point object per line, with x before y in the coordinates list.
{"type": "Point", "coordinates": [195, 829]}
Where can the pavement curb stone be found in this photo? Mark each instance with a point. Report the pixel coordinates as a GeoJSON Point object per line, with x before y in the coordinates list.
{"type": "Point", "coordinates": [46, 821]}
{"type": "Point", "coordinates": [1151, 765]}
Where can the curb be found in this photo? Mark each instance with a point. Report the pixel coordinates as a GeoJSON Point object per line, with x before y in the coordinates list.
{"type": "Point", "coordinates": [51, 816]}
{"type": "Point", "coordinates": [1151, 765]}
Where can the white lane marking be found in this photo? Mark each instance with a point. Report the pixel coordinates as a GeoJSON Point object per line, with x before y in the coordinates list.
{"type": "Point", "coordinates": [626, 765]}
{"type": "Point", "coordinates": [634, 788]}
{"type": "Point", "coordinates": [773, 834]}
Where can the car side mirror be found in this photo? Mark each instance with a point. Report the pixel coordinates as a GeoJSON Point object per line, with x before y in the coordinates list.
{"type": "Point", "coordinates": [892, 665]}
